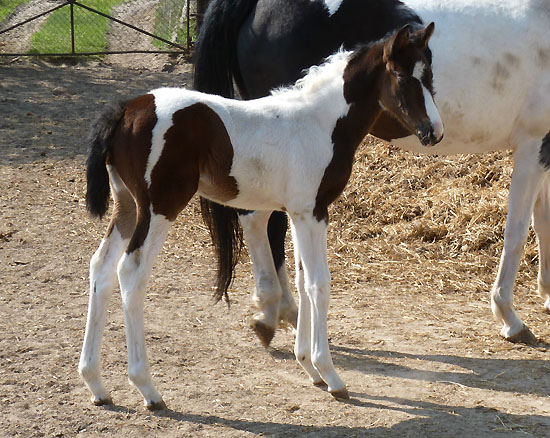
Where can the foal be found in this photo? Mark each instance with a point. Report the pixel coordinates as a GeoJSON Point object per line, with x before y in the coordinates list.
{"type": "Point", "coordinates": [292, 151]}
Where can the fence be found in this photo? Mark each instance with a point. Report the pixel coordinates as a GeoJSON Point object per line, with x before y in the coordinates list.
{"type": "Point", "coordinates": [98, 27]}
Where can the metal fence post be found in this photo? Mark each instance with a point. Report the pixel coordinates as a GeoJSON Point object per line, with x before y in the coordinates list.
{"type": "Point", "coordinates": [72, 26]}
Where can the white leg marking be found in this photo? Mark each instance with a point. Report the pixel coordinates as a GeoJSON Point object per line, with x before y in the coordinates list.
{"type": "Point", "coordinates": [526, 182]}
{"type": "Point", "coordinates": [267, 291]}
{"type": "Point", "coordinates": [102, 283]}
{"type": "Point", "coordinates": [302, 345]}
{"type": "Point", "coordinates": [541, 223]}
{"type": "Point", "coordinates": [311, 240]}
{"type": "Point", "coordinates": [133, 273]}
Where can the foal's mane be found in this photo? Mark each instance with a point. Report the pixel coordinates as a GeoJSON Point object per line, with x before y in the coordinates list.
{"type": "Point", "coordinates": [317, 76]}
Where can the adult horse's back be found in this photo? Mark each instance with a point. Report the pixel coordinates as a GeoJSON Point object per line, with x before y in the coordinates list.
{"type": "Point", "coordinates": [261, 45]}
{"type": "Point", "coordinates": [492, 76]}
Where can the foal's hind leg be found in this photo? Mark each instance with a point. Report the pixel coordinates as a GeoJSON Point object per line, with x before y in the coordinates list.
{"type": "Point", "coordinates": [134, 270]}
{"type": "Point", "coordinates": [541, 223]}
{"type": "Point", "coordinates": [272, 293]}
{"type": "Point", "coordinates": [267, 291]}
{"type": "Point", "coordinates": [102, 282]}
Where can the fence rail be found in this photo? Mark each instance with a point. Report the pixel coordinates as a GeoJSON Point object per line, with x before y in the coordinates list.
{"type": "Point", "coordinates": [69, 23]}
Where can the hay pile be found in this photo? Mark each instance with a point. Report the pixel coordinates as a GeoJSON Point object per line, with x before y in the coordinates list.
{"type": "Point", "coordinates": [423, 221]}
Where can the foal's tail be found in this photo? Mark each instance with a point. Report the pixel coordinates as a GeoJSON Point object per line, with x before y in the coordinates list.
{"type": "Point", "coordinates": [99, 146]}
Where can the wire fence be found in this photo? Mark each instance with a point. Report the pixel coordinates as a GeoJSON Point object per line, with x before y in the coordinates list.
{"type": "Point", "coordinates": [97, 27]}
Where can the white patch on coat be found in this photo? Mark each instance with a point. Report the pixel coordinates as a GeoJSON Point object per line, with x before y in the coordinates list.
{"type": "Point", "coordinates": [332, 6]}
{"type": "Point", "coordinates": [281, 162]}
{"type": "Point", "coordinates": [431, 108]}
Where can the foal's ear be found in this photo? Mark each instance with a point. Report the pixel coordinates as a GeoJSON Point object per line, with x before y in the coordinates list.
{"type": "Point", "coordinates": [400, 40]}
{"type": "Point", "coordinates": [422, 37]}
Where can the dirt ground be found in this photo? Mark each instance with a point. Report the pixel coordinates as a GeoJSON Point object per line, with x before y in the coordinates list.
{"type": "Point", "coordinates": [412, 334]}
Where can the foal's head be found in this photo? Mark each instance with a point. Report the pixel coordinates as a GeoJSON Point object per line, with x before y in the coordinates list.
{"type": "Point", "coordinates": [406, 84]}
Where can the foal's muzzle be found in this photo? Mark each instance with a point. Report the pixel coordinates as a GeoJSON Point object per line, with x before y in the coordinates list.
{"type": "Point", "coordinates": [427, 135]}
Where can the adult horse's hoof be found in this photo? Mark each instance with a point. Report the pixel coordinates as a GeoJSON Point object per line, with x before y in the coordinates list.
{"type": "Point", "coordinates": [157, 406]}
{"type": "Point", "coordinates": [102, 401]}
{"type": "Point", "coordinates": [341, 394]}
{"type": "Point", "coordinates": [524, 336]}
{"type": "Point", "coordinates": [264, 333]}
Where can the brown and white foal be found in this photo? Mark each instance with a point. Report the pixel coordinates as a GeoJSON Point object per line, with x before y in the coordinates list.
{"type": "Point", "coordinates": [291, 151]}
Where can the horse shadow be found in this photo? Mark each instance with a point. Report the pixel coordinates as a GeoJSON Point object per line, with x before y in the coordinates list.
{"type": "Point", "coordinates": [430, 420]}
{"type": "Point", "coordinates": [525, 376]}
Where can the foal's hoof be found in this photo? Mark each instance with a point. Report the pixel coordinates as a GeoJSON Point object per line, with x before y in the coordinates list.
{"type": "Point", "coordinates": [524, 336]}
{"type": "Point", "coordinates": [264, 333]}
{"type": "Point", "coordinates": [102, 401]}
{"type": "Point", "coordinates": [341, 394]}
{"type": "Point", "coordinates": [157, 406]}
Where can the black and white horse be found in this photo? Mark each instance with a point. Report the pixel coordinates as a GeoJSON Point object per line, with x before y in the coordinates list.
{"type": "Point", "coordinates": [492, 66]}
{"type": "Point", "coordinates": [292, 151]}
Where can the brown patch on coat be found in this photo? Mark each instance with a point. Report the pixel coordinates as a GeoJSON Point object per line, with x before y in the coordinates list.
{"type": "Point", "coordinates": [543, 57]}
{"type": "Point", "coordinates": [476, 60]}
{"type": "Point", "coordinates": [386, 127]}
{"type": "Point", "coordinates": [124, 214]}
{"type": "Point", "coordinates": [197, 145]}
{"type": "Point", "coordinates": [352, 128]}
{"type": "Point", "coordinates": [511, 60]}
{"type": "Point", "coordinates": [500, 75]}
{"type": "Point", "coordinates": [131, 146]}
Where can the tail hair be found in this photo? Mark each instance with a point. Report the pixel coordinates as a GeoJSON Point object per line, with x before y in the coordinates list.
{"type": "Point", "coordinates": [99, 146]}
{"type": "Point", "coordinates": [215, 55]}
{"type": "Point", "coordinates": [227, 238]}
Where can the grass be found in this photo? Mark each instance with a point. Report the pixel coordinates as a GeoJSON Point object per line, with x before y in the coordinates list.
{"type": "Point", "coordinates": [170, 23]}
{"type": "Point", "coordinates": [8, 6]}
{"type": "Point", "coordinates": [90, 29]}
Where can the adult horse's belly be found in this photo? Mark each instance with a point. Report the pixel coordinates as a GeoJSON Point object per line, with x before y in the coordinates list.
{"type": "Point", "coordinates": [482, 69]}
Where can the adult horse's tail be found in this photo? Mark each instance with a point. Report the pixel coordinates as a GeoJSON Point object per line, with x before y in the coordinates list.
{"type": "Point", "coordinates": [99, 145]}
{"type": "Point", "coordinates": [215, 65]}
{"type": "Point", "coordinates": [215, 55]}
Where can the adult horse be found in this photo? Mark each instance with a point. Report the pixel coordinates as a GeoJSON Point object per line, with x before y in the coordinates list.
{"type": "Point", "coordinates": [291, 151]}
{"type": "Point", "coordinates": [492, 67]}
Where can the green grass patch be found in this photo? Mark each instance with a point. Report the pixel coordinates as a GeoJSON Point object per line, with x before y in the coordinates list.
{"type": "Point", "coordinates": [8, 6]}
{"type": "Point", "coordinates": [170, 23]}
{"type": "Point", "coordinates": [90, 29]}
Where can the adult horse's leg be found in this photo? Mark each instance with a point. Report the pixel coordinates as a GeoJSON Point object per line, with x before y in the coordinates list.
{"type": "Point", "coordinates": [526, 182]}
{"type": "Point", "coordinates": [134, 270]}
{"type": "Point", "coordinates": [272, 295]}
{"type": "Point", "coordinates": [541, 223]}
{"type": "Point", "coordinates": [102, 283]}
{"type": "Point", "coordinates": [276, 232]}
{"type": "Point", "coordinates": [310, 237]}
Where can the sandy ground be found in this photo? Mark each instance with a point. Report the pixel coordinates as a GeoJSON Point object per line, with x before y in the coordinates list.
{"type": "Point", "coordinates": [410, 326]}
{"type": "Point", "coordinates": [419, 361]}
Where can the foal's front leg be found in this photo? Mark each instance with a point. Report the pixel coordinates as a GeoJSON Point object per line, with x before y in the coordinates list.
{"type": "Point", "coordinates": [134, 270]}
{"type": "Point", "coordinates": [310, 237]}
